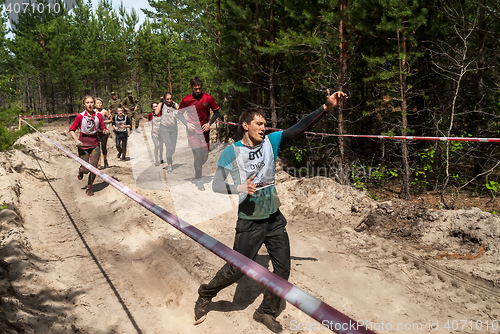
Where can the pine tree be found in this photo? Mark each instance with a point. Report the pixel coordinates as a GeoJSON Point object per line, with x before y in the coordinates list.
{"type": "Point", "coordinates": [397, 30]}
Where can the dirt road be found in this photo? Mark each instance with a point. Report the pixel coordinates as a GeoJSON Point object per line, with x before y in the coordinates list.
{"type": "Point", "coordinates": [103, 264]}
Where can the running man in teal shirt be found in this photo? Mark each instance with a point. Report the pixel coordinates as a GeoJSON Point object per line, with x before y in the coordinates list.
{"type": "Point", "coordinates": [252, 165]}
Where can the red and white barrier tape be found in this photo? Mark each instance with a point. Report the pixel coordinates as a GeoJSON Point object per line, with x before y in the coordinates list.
{"type": "Point", "coordinates": [46, 116]}
{"type": "Point", "coordinates": [482, 140]}
{"type": "Point", "coordinates": [322, 312]}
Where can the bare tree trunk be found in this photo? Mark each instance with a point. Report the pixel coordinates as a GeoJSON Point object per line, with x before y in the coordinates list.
{"type": "Point", "coordinates": [65, 99]}
{"type": "Point", "coordinates": [126, 61]}
{"type": "Point", "coordinates": [219, 70]}
{"type": "Point", "coordinates": [105, 71]}
{"type": "Point", "coordinates": [405, 186]}
{"type": "Point", "coordinates": [342, 80]}
{"type": "Point", "coordinates": [138, 78]}
{"type": "Point", "coordinates": [454, 67]}
{"type": "Point", "coordinates": [463, 66]}
{"type": "Point", "coordinates": [170, 79]}
{"type": "Point", "coordinates": [479, 162]}
{"type": "Point", "coordinates": [382, 158]}
{"type": "Point", "coordinates": [272, 97]}
{"type": "Point", "coordinates": [149, 82]}
{"type": "Point", "coordinates": [70, 99]}
{"type": "Point", "coordinates": [40, 109]}
{"type": "Point", "coordinates": [52, 99]}
{"type": "Point", "coordinates": [160, 78]}
{"type": "Point", "coordinates": [239, 68]}
{"type": "Point", "coordinates": [29, 102]}
{"type": "Point", "coordinates": [45, 90]}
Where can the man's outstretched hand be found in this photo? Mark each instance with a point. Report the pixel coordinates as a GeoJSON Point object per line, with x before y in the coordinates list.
{"type": "Point", "coordinates": [333, 100]}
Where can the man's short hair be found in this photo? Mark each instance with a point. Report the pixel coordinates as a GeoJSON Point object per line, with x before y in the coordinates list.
{"type": "Point", "coordinates": [195, 81]}
{"type": "Point", "coordinates": [247, 117]}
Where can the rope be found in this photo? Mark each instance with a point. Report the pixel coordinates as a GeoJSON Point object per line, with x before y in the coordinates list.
{"type": "Point", "coordinates": [482, 140]}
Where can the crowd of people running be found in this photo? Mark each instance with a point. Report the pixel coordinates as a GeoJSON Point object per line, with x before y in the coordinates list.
{"type": "Point", "coordinates": [95, 124]}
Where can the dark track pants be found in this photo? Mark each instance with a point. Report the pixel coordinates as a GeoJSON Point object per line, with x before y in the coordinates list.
{"type": "Point", "coordinates": [103, 139]}
{"type": "Point", "coordinates": [250, 235]}
{"type": "Point", "coordinates": [200, 157]}
{"type": "Point", "coordinates": [121, 143]}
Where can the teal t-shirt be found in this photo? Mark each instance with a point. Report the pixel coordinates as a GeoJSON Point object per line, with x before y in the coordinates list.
{"type": "Point", "coordinates": [260, 161]}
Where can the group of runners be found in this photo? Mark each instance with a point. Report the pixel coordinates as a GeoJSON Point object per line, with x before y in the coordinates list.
{"type": "Point", "coordinates": [194, 113]}
{"type": "Point", "coordinates": [251, 162]}
{"type": "Point", "coordinates": [94, 124]}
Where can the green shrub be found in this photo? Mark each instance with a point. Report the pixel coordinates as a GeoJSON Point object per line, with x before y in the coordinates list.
{"type": "Point", "coordinates": [10, 117]}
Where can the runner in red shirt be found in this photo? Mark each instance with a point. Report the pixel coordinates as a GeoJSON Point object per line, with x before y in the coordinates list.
{"type": "Point", "coordinates": [90, 123]}
{"type": "Point", "coordinates": [198, 105]}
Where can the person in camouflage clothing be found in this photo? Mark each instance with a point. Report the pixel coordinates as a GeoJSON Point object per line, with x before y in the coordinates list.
{"type": "Point", "coordinates": [114, 104]}
{"type": "Point", "coordinates": [130, 104]}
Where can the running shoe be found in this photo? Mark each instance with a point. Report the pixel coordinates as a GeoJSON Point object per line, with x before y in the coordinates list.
{"type": "Point", "coordinates": [89, 191]}
{"type": "Point", "coordinates": [201, 186]}
{"type": "Point", "coordinates": [268, 320]}
{"type": "Point", "coordinates": [201, 310]}
{"type": "Point", "coordinates": [169, 169]}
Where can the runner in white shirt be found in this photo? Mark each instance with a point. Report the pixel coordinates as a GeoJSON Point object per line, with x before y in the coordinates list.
{"type": "Point", "coordinates": [168, 127]}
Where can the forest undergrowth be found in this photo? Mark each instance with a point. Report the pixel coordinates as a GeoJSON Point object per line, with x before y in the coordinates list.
{"type": "Point", "coordinates": [455, 199]}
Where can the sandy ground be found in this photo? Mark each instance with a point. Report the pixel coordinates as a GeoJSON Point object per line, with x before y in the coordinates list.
{"type": "Point", "coordinates": [70, 263]}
